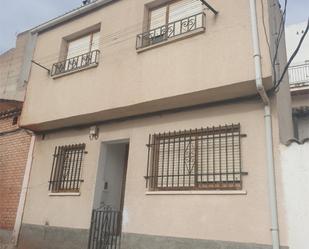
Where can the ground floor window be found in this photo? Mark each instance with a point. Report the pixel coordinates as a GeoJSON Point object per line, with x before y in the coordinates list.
{"type": "Point", "coordinates": [66, 169]}
{"type": "Point", "coordinates": [202, 159]}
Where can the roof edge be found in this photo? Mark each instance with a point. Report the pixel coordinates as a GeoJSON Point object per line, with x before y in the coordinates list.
{"type": "Point", "coordinates": [70, 15]}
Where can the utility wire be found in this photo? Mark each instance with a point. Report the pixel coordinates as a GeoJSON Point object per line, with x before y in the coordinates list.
{"type": "Point", "coordinates": [292, 57]}
{"type": "Point", "coordinates": [127, 30]}
{"type": "Point", "coordinates": [278, 40]}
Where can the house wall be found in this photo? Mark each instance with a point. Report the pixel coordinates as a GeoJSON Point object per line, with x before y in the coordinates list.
{"type": "Point", "coordinates": [13, 155]}
{"type": "Point", "coordinates": [233, 219]}
{"type": "Point", "coordinates": [208, 67]}
{"type": "Point", "coordinates": [295, 176]}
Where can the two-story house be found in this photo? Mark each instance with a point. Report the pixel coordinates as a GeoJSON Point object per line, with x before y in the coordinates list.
{"type": "Point", "coordinates": [156, 127]}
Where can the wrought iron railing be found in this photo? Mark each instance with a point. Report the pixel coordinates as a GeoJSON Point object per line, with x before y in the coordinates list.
{"type": "Point", "coordinates": [76, 63]}
{"type": "Point", "coordinates": [299, 75]}
{"type": "Point", "coordinates": [105, 229]}
{"type": "Point", "coordinates": [170, 30]}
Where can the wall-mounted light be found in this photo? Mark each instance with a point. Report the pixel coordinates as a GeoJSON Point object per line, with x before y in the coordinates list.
{"type": "Point", "coordinates": [94, 132]}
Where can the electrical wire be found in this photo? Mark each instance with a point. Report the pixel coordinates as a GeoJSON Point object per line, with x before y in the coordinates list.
{"type": "Point", "coordinates": [109, 38]}
{"type": "Point", "coordinates": [292, 57]}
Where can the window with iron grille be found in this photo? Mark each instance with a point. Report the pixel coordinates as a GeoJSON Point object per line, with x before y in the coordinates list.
{"type": "Point", "coordinates": [206, 158]}
{"type": "Point", "coordinates": [66, 170]}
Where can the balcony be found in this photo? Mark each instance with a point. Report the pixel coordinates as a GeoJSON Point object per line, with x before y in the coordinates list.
{"type": "Point", "coordinates": [172, 30]}
{"type": "Point", "coordinates": [74, 64]}
{"type": "Point", "coordinates": [299, 75]}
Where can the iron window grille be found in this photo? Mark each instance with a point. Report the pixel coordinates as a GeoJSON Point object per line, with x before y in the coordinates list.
{"type": "Point", "coordinates": [200, 159]}
{"type": "Point", "coordinates": [170, 30]}
{"type": "Point", "coordinates": [66, 170]}
{"type": "Point", "coordinates": [76, 63]}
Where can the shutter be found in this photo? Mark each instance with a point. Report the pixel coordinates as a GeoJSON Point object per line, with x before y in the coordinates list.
{"type": "Point", "coordinates": [158, 17]}
{"type": "Point", "coordinates": [78, 46]}
{"type": "Point", "coordinates": [184, 8]}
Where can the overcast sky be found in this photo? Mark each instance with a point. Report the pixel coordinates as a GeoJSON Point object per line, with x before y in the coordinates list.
{"type": "Point", "coordinates": [20, 15]}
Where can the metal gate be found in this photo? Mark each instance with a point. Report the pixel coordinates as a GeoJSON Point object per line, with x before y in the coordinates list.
{"type": "Point", "coordinates": [105, 229]}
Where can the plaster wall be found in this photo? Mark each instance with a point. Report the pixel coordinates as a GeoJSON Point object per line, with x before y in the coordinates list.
{"type": "Point", "coordinates": [233, 216]}
{"type": "Point", "coordinates": [295, 171]}
{"type": "Point", "coordinates": [211, 66]}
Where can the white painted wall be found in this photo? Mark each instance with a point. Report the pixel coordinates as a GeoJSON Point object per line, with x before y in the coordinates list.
{"type": "Point", "coordinates": [293, 34]}
{"type": "Point", "coordinates": [295, 165]}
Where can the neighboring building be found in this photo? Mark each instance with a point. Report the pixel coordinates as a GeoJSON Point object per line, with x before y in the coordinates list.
{"type": "Point", "coordinates": [14, 68]}
{"type": "Point", "coordinates": [299, 79]}
{"type": "Point", "coordinates": [14, 141]}
{"type": "Point", "coordinates": [13, 156]}
{"type": "Point", "coordinates": [149, 125]}
{"type": "Point", "coordinates": [295, 157]}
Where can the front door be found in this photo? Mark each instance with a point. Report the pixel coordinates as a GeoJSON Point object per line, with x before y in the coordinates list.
{"type": "Point", "coordinates": [105, 229]}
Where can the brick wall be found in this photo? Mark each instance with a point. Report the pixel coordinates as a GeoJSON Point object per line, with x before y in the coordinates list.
{"type": "Point", "coordinates": [13, 156]}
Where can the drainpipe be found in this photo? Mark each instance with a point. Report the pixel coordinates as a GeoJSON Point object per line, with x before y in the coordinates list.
{"type": "Point", "coordinates": [268, 128]}
{"type": "Point", "coordinates": [23, 193]}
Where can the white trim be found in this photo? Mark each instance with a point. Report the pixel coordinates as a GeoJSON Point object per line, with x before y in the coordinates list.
{"type": "Point", "coordinates": [65, 194]}
{"type": "Point", "coordinates": [199, 192]}
{"type": "Point", "coordinates": [23, 193]}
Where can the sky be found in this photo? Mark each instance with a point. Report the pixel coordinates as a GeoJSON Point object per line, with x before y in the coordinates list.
{"type": "Point", "coordinates": [20, 15]}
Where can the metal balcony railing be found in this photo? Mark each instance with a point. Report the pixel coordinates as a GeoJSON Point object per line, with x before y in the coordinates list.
{"type": "Point", "coordinates": [299, 75]}
{"type": "Point", "coordinates": [170, 30]}
{"type": "Point", "coordinates": [75, 63]}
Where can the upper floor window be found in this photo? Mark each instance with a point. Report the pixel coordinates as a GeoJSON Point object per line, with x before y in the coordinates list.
{"type": "Point", "coordinates": [207, 158]}
{"type": "Point", "coordinates": [82, 52]}
{"type": "Point", "coordinates": [83, 45]}
{"type": "Point", "coordinates": [170, 20]}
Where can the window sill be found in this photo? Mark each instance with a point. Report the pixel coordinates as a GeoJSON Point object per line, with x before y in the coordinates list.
{"type": "Point", "coordinates": [75, 71]}
{"type": "Point", "coordinates": [173, 39]}
{"type": "Point", "coordinates": [65, 194]}
{"type": "Point", "coordinates": [199, 192]}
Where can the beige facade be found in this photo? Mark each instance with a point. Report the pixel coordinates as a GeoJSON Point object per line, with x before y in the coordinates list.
{"type": "Point", "coordinates": [228, 216]}
{"type": "Point", "coordinates": [200, 79]}
{"type": "Point", "coordinates": [214, 62]}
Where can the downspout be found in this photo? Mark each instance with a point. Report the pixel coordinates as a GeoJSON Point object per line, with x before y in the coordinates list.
{"type": "Point", "coordinates": [23, 193]}
{"type": "Point", "coordinates": [268, 128]}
